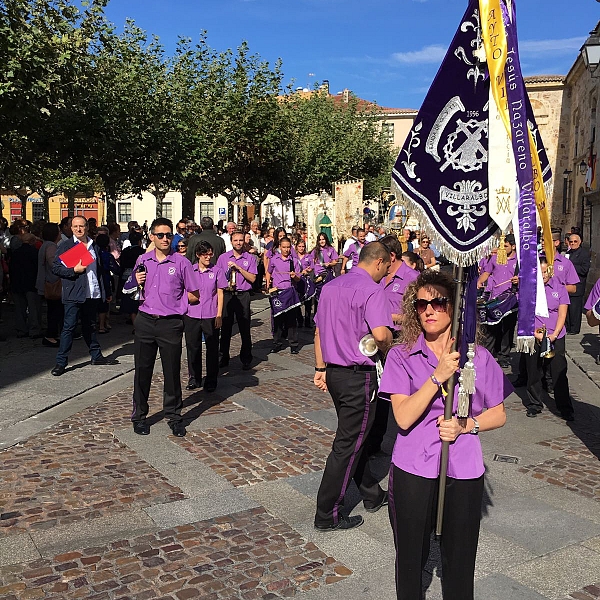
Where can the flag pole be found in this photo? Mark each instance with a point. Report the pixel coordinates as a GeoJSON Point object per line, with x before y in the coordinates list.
{"type": "Point", "coordinates": [449, 400]}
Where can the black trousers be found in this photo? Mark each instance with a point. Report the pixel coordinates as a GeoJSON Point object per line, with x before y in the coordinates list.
{"type": "Point", "coordinates": [412, 509]}
{"type": "Point", "coordinates": [351, 393]}
{"type": "Point", "coordinates": [238, 306]}
{"type": "Point", "coordinates": [498, 339]}
{"type": "Point", "coordinates": [558, 371]}
{"type": "Point", "coordinates": [285, 325]}
{"type": "Point", "coordinates": [574, 312]}
{"type": "Point", "coordinates": [150, 336]}
{"type": "Point", "coordinates": [194, 328]}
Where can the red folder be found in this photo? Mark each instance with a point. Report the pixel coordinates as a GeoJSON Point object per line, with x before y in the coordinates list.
{"type": "Point", "coordinates": [78, 252]}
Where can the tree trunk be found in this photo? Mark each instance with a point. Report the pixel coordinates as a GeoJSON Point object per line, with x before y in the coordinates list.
{"type": "Point", "coordinates": [71, 203]}
{"type": "Point", "coordinates": [188, 200]}
{"type": "Point", "coordinates": [159, 194]}
{"type": "Point", "coordinates": [23, 195]}
{"type": "Point", "coordinates": [111, 204]}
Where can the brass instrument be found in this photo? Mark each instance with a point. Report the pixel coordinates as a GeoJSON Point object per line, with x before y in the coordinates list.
{"type": "Point", "coordinates": [367, 345]}
{"type": "Point", "coordinates": [546, 347]}
{"type": "Point", "coordinates": [232, 287]}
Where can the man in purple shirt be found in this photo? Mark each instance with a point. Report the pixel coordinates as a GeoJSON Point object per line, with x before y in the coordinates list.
{"type": "Point", "coordinates": [352, 254]}
{"type": "Point", "coordinates": [204, 319]}
{"type": "Point", "coordinates": [168, 285]}
{"type": "Point", "coordinates": [236, 301]}
{"type": "Point", "coordinates": [592, 307]}
{"type": "Point", "coordinates": [398, 278]}
{"type": "Point", "coordinates": [351, 307]}
{"type": "Point", "coordinates": [500, 278]}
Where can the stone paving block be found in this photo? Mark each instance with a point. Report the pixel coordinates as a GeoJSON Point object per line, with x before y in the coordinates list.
{"type": "Point", "coordinates": [495, 553]}
{"type": "Point", "coordinates": [569, 568]}
{"type": "Point", "coordinates": [532, 524]}
{"type": "Point", "coordinates": [566, 500]}
{"type": "Point", "coordinates": [262, 407]}
{"type": "Point", "coordinates": [247, 555]}
{"type": "Point", "coordinates": [200, 508]}
{"type": "Point", "coordinates": [248, 453]}
{"type": "Point", "coordinates": [592, 544]}
{"type": "Point", "coordinates": [17, 548]}
{"type": "Point", "coordinates": [326, 417]}
{"type": "Point", "coordinates": [501, 587]}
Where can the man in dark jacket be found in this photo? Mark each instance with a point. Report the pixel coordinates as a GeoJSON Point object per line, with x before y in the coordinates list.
{"type": "Point", "coordinates": [209, 235]}
{"type": "Point", "coordinates": [580, 257]}
{"type": "Point", "coordinates": [82, 293]}
{"type": "Point", "coordinates": [23, 273]}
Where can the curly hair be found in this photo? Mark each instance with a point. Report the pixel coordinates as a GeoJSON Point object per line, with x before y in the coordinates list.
{"type": "Point", "coordinates": [411, 326]}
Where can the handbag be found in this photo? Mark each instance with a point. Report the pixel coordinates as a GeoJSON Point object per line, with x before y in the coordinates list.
{"type": "Point", "coordinates": [53, 291]}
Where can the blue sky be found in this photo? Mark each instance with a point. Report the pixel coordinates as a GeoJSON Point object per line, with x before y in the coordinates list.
{"type": "Point", "coordinates": [387, 51]}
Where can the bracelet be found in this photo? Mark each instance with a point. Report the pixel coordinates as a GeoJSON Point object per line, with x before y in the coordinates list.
{"type": "Point", "coordinates": [320, 369]}
{"type": "Point", "coordinates": [433, 378]}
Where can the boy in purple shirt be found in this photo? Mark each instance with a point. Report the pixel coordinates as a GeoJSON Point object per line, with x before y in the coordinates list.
{"type": "Point", "coordinates": [242, 268]}
{"type": "Point", "coordinates": [351, 307]}
{"type": "Point", "coordinates": [558, 302]}
{"type": "Point", "coordinates": [414, 379]}
{"type": "Point", "coordinates": [205, 319]}
{"type": "Point", "coordinates": [168, 285]}
{"type": "Point", "coordinates": [283, 271]}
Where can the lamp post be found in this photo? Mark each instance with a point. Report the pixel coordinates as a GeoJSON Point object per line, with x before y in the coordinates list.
{"type": "Point", "coordinates": [590, 52]}
{"type": "Point", "coordinates": [566, 174]}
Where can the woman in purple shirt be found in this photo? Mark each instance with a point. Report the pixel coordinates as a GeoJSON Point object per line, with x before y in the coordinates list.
{"type": "Point", "coordinates": [414, 379]}
{"type": "Point", "coordinates": [324, 259]}
{"type": "Point", "coordinates": [305, 287]}
{"type": "Point", "coordinates": [558, 303]}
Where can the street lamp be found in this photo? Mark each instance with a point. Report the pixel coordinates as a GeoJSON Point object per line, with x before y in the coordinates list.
{"type": "Point", "coordinates": [583, 167]}
{"type": "Point", "coordinates": [566, 174]}
{"type": "Point", "coordinates": [590, 53]}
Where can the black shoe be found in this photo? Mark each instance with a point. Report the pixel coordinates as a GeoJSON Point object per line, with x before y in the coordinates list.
{"type": "Point", "coordinates": [531, 412]}
{"type": "Point", "coordinates": [294, 350]}
{"type": "Point", "coordinates": [569, 417]}
{"type": "Point", "coordinates": [383, 502]}
{"type": "Point", "coordinates": [224, 362]}
{"type": "Point", "coordinates": [58, 370]}
{"type": "Point", "coordinates": [141, 428]}
{"type": "Point", "coordinates": [209, 389]}
{"type": "Point", "coordinates": [343, 523]}
{"type": "Point", "coordinates": [178, 429]}
{"type": "Point", "coordinates": [246, 366]}
{"type": "Point", "coordinates": [105, 361]}
{"type": "Point", "coordinates": [275, 349]}
{"type": "Point", "coordinates": [519, 382]}
{"type": "Point", "coordinates": [192, 385]}
{"type": "Point", "coordinates": [46, 342]}
{"type": "Point", "coordinates": [504, 364]}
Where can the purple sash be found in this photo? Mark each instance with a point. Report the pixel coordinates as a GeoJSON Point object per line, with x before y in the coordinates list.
{"type": "Point", "coordinates": [284, 301]}
{"type": "Point", "coordinates": [493, 311]}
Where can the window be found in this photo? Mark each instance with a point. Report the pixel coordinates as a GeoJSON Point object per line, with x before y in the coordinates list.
{"type": "Point", "coordinates": [124, 212]}
{"type": "Point", "coordinates": [167, 210]}
{"type": "Point", "coordinates": [207, 209]}
{"type": "Point", "coordinates": [388, 132]}
{"type": "Point", "coordinates": [37, 211]}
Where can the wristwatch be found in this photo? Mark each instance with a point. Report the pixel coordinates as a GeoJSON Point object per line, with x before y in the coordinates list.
{"type": "Point", "coordinates": [475, 429]}
{"type": "Point", "coordinates": [320, 369]}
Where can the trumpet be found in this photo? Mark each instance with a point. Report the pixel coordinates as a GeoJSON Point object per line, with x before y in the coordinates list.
{"type": "Point", "coordinates": [232, 281]}
{"type": "Point", "coordinates": [367, 345]}
{"type": "Point", "coordinates": [546, 347]}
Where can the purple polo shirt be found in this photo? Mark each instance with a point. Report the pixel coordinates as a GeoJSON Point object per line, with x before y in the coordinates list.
{"type": "Point", "coordinates": [499, 274]}
{"type": "Point", "coordinates": [245, 261]}
{"type": "Point", "coordinates": [280, 268]}
{"type": "Point", "coordinates": [306, 262]}
{"type": "Point", "coordinates": [325, 255]}
{"type": "Point", "coordinates": [353, 253]}
{"type": "Point", "coordinates": [593, 297]}
{"type": "Point", "coordinates": [350, 307]}
{"type": "Point", "coordinates": [395, 288]}
{"type": "Point", "coordinates": [564, 271]}
{"type": "Point", "coordinates": [208, 282]}
{"type": "Point", "coordinates": [556, 294]}
{"type": "Point", "coordinates": [167, 284]}
{"type": "Point", "coordinates": [417, 450]}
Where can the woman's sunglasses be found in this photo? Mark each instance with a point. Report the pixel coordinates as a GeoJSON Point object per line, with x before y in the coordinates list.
{"type": "Point", "coordinates": [160, 236]}
{"type": "Point", "coordinates": [438, 304]}
{"type": "Point", "coordinates": [181, 245]}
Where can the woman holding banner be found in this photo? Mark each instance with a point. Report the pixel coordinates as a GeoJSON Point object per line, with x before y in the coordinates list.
{"type": "Point", "coordinates": [414, 379]}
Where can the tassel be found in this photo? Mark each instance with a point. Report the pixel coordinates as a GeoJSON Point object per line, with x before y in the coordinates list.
{"type": "Point", "coordinates": [468, 374]}
{"type": "Point", "coordinates": [526, 344]}
{"type": "Point", "coordinates": [463, 402]}
{"type": "Point", "coordinates": [501, 257]}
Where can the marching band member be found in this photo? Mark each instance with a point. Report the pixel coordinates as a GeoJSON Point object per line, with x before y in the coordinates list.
{"type": "Point", "coordinates": [324, 259]}
{"type": "Point", "coordinates": [204, 318]}
{"type": "Point", "coordinates": [350, 308]}
{"type": "Point", "coordinates": [500, 278]}
{"type": "Point", "coordinates": [591, 306]}
{"type": "Point", "coordinates": [553, 329]}
{"type": "Point", "coordinates": [240, 269]}
{"type": "Point", "coordinates": [284, 270]}
{"type": "Point", "coordinates": [352, 254]}
{"type": "Point", "coordinates": [414, 376]}
{"type": "Point", "coordinates": [398, 278]}
{"type": "Point", "coordinates": [306, 286]}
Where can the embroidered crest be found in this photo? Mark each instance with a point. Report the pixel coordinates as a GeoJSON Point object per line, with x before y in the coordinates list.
{"type": "Point", "coordinates": [395, 287]}
{"type": "Point", "coordinates": [211, 275]}
{"type": "Point", "coordinates": [277, 303]}
{"type": "Point", "coordinates": [555, 294]}
{"type": "Point", "coordinates": [172, 270]}
{"type": "Point", "coordinates": [245, 263]}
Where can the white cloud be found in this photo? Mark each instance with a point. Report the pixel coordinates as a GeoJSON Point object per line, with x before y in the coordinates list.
{"type": "Point", "coordinates": [563, 46]}
{"type": "Point", "coordinates": [428, 54]}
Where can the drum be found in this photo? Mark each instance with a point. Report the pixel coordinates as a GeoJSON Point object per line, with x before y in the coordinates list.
{"type": "Point", "coordinates": [306, 288]}
{"type": "Point", "coordinates": [491, 312]}
{"type": "Point", "coordinates": [283, 301]}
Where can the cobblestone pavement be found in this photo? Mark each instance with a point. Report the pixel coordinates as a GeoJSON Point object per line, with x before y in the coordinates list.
{"type": "Point", "coordinates": [89, 510]}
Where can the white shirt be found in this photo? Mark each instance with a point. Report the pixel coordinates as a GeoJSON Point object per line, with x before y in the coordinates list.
{"type": "Point", "coordinates": [370, 237]}
{"type": "Point", "coordinates": [349, 242]}
{"type": "Point", "coordinates": [93, 287]}
{"type": "Point", "coordinates": [227, 239]}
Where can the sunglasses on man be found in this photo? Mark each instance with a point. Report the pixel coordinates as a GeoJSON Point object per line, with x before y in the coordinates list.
{"type": "Point", "coordinates": [438, 304]}
{"type": "Point", "coordinates": [161, 235]}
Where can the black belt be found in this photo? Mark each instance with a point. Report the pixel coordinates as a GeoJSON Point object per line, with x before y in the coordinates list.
{"type": "Point", "coordinates": [156, 317]}
{"type": "Point", "coordinates": [236, 292]}
{"type": "Point", "coordinates": [355, 368]}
